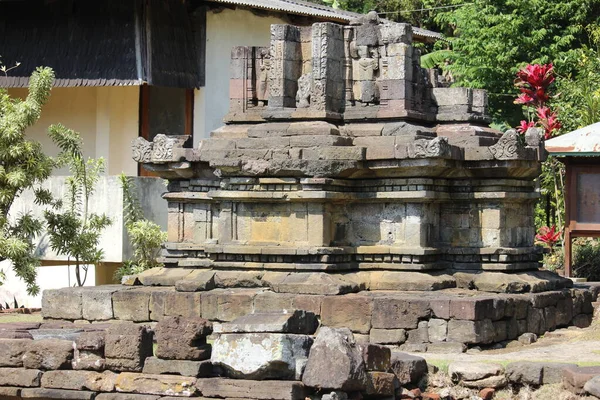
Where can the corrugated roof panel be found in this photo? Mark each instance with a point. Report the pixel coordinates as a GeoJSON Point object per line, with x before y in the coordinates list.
{"type": "Point", "coordinates": [316, 10]}
{"type": "Point", "coordinates": [581, 142]}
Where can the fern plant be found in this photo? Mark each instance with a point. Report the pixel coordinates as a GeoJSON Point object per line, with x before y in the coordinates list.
{"type": "Point", "coordinates": [146, 236]}
{"type": "Point", "coordinates": [73, 230]}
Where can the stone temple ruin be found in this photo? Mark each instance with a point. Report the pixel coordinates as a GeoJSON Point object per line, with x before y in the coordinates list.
{"type": "Point", "coordinates": [349, 188]}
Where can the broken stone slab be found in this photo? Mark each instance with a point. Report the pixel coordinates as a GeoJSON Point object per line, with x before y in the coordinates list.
{"type": "Point", "coordinates": [157, 366]}
{"type": "Point", "coordinates": [163, 276]}
{"type": "Point", "coordinates": [60, 334]}
{"type": "Point", "coordinates": [91, 341]}
{"type": "Point", "coordinates": [88, 360]}
{"type": "Point", "coordinates": [48, 354]}
{"type": "Point", "coordinates": [297, 322]}
{"type": "Point", "coordinates": [477, 375]}
{"type": "Point", "coordinates": [164, 385]}
{"type": "Point", "coordinates": [315, 283]}
{"type": "Point", "coordinates": [20, 377]}
{"type": "Point", "coordinates": [197, 281]}
{"type": "Point", "coordinates": [593, 386]}
{"type": "Point", "coordinates": [44, 393]}
{"type": "Point", "coordinates": [11, 352]}
{"type": "Point", "coordinates": [260, 356]}
{"type": "Point", "coordinates": [407, 368]}
{"type": "Point", "coordinates": [80, 380]}
{"type": "Point", "coordinates": [335, 347]}
{"type": "Point", "coordinates": [575, 378]}
{"type": "Point", "coordinates": [259, 390]}
{"type": "Point", "coordinates": [179, 338]}
{"type": "Point", "coordinates": [525, 373]}
{"type": "Point", "coordinates": [380, 384]}
{"type": "Point", "coordinates": [126, 346]}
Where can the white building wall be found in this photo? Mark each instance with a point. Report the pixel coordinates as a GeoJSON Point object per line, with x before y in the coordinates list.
{"type": "Point", "coordinates": [225, 30]}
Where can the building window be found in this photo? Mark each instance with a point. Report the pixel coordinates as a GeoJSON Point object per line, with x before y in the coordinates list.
{"type": "Point", "coordinates": [165, 110]}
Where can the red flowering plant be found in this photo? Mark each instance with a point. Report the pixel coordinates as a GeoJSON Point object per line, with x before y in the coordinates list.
{"type": "Point", "coordinates": [548, 236]}
{"type": "Point", "coordinates": [534, 82]}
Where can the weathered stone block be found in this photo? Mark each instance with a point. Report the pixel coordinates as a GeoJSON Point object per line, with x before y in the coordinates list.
{"type": "Point", "coordinates": [380, 384]}
{"type": "Point", "coordinates": [260, 355]}
{"type": "Point", "coordinates": [97, 303]}
{"type": "Point", "coordinates": [298, 321]}
{"type": "Point", "coordinates": [553, 372]}
{"type": "Point", "coordinates": [574, 379]}
{"type": "Point", "coordinates": [471, 332]}
{"type": "Point", "coordinates": [157, 366]}
{"type": "Point", "coordinates": [91, 341]}
{"type": "Point", "coordinates": [395, 313]}
{"type": "Point", "coordinates": [11, 352]}
{"type": "Point", "coordinates": [132, 304]}
{"type": "Point", "coordinates": [88, 360]}
{"type": "Point", "coordinates": [44, 394]}
{"type": "Point", "coordinates": [80, 380]}
{"type": "Point", "coordinates": [227, 304]}
{"type": "Point", "coordinates": [271, 302]}
{"type": "Point", "coordinates": [259, 390]}
{"type": "Point", "coordinates": [335, 347]}
{"type": "Point", "coordinates": [62, 303]}
{"type": "Point", "coordinates": [446, 347]}
{"type": "Point", "coordinates": [408, 368]}
{"type": "Point", "coordinates": [437, 330]}
{"type": "Point", "coordinates": [387, 336]}
{"type": "Point", "coordinates": [350, 311]}
{"type": "Point", "coordinates": [126, 396]}
{"type": "Point", "coordinates": [183, 304]}
{"type": "Point", "coordinates": [48, 354]}
{"type": "Point", "coordinates": [419, 335]}
{"type": "Point", "coordinates": [477, 375]}
{"type": "Point", "coordinates": [197, 281]}
{"type": "Point", "coordinates": [471, 308]}
{"type": "Point", "coordinates": [127, 346]}
{"type": "Point", "coordinates": [164, 385]}
{"type": "Point", "coordinates": [525, 373]}
{"type": "Point", "coordinates": [20, 377]}
{"type": "Point", "coordinates": [179, 338]}
{"type": "Point", "coordinates": [377, 358]}
{"type": "Point", "coordinates": [315, 283]}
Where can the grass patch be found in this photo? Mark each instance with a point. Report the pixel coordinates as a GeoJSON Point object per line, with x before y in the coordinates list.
{"type": "Point", "coordinates": [20, 318]}
{"type": "Point", "coordinates": [441, 365]}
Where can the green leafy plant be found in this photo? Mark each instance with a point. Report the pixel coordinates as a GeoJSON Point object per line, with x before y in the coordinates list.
{"type": "Point", "coordinates": [146, 236]}
{"type": "Point", "coordinates": [24, 166]}
{"type": "Point", "coordinates": [73, 230]}
{"type": "Point", "coordinates": [586, 259]}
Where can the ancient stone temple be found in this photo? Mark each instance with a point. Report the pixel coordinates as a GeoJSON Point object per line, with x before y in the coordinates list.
{"type": "Point", "coordinates": [349, 191]}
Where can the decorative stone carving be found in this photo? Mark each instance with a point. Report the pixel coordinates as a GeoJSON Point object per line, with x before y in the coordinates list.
{"type": "Point", "coordinates": [509, 147]}
{"type": "Point", "coordinates": [141, 150]}
{"type": "Point", "coordinates": [262, 84]}
{"type": "Point", "coordinates": [304, 89]}
{"type": "Point", "coordinates": [162, 149]}
{"type": "Point", "coordinates": [423, 148]}
{"type": "Point", "coordinates": [366, 57]}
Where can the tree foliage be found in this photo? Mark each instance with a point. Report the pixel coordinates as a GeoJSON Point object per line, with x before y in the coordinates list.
{"type": "Point", "coordinates": [73, 230]}
{"type": "Point", "coordinates": [493, 39]}
{"type": "Point", "coordinates": [23, 166]}
{"type": "Point", "coordinates": [145, 236]}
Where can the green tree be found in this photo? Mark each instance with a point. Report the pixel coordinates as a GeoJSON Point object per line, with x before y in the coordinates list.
{"type": "Point", "coordinates": [23, 166]}
{"type": "Point", "coordinates": [492, 39]}
{"type": "Point", "coordinates": [145, 236]}
{"type": "Point", "coordinates": [73, 230]}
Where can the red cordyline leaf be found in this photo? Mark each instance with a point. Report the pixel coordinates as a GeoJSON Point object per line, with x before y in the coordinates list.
{"type": "Point", "coordinates": [548, 236]}
{"type": "Point", "coordinates": [533, 82]}
{"type": "Point", "coordinates": [525, 126]}
{"type": "Point", "coordinates": [549, 121]}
